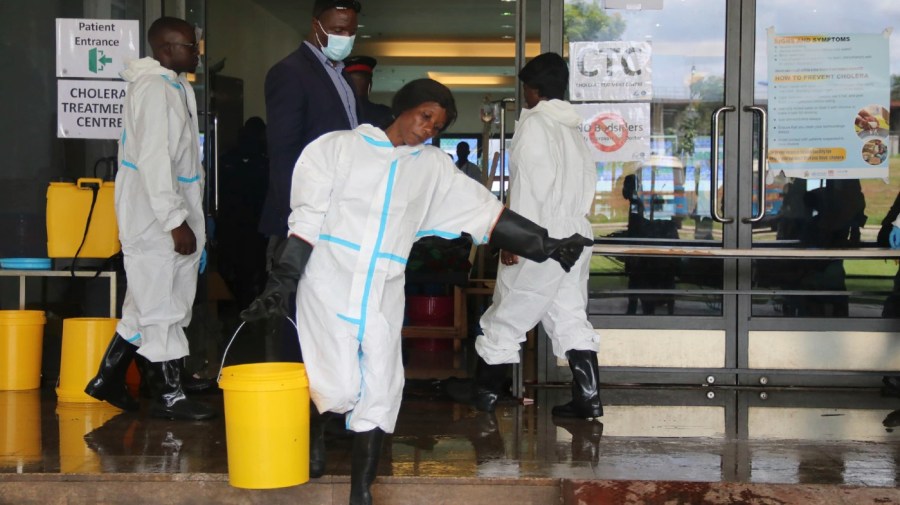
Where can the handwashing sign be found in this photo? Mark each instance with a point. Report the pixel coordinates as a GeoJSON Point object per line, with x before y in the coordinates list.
{"type": "Point", "coordinates": [95, 47]}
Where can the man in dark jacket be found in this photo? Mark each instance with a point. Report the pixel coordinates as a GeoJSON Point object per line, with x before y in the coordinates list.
{"type": "Point", "coordinates": [307, 95]}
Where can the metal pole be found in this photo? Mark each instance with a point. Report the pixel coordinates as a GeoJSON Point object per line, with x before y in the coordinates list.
{"type": "Point", "coordinates": [502, 104]}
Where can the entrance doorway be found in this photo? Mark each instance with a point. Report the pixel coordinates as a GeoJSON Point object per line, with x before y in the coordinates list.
{"type": "Point", "coordinates": [763, 269]}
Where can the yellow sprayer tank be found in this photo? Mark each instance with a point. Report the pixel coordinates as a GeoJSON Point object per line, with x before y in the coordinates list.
{"type": "Point", "coordinates": [68, 205]}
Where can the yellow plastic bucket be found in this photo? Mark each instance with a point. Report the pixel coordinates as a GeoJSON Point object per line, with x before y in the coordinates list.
{"type": "Point", "coordinates": [266, 424]}
{"type": "Point", "coordinates": [75, 421]}
{"type": "Point", "coordinates": [21, 343]}
{"type": "Point", "coordinates": [84, 341]}
{"type": "Point", "coordinates": [68, 206]}
{"type": "Point", "coordinates": [20, 428]}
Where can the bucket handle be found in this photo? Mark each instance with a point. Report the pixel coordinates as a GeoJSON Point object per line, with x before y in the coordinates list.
{"type": "Point", "coordinates": [231, 341]}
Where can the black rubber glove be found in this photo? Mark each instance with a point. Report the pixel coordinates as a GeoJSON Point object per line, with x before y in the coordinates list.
{"type": "Point", "coordinates": [518, 235]}
{"type": "Point", "coordinates": [291, 257]}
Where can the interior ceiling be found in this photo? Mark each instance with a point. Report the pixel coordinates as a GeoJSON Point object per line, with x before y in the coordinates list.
{"type": "Point", "coordinates": [389, 29]}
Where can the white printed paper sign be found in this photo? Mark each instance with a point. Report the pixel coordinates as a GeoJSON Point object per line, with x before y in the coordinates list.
{"type": "Point", "coordinates": [610, 71]}
{"type": "Point", "coordinates": [616, 131]}
{"type": "Point", "coordinates": [97, 48]}
{"type": "Point", "coordinates": [829, 105]}
{"type": "Point", "coordinates": [89, 109]}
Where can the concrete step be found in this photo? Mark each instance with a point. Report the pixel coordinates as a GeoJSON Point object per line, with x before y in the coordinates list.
{"type": "Point", "coordinates": [198, 488]}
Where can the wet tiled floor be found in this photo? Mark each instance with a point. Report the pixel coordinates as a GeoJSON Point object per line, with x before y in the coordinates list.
{"type": "Point", "coordinates": [660, 434]}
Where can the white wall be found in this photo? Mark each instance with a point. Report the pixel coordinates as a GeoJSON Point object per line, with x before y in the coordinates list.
{"type": "Point", "coordinates": [252, 40]}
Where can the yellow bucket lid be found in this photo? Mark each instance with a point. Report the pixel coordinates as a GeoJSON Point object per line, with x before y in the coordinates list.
{"type": "Point", "coordinates": [22, 316]}
{"type": "Point", "coordinates": [264, 377]}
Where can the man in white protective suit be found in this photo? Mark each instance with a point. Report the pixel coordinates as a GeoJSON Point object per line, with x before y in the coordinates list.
{"type": "Point", "coordinates": [552, 182]}
{"type": "Point", "coordinates": [359, 201]}
{"type": "Point", "coordinates": [159, 195]}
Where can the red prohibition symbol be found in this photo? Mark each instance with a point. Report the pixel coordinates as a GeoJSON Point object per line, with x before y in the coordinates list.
{"type": "Point", "coordinates": [613, 127]}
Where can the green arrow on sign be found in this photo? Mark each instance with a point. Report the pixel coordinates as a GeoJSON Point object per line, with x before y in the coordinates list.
{"type": "Point", "coordinates": [95, 57]}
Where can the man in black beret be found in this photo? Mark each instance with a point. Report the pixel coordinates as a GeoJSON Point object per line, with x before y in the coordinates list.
{"type": "Point", "coordinates": [360, 70]}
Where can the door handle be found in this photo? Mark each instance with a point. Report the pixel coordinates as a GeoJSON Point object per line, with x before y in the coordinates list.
{"type": "Point", "coordinates": [714, 167]}
{"type": "Point", "coordinates": [763, 151]}
{"type": "Point", "coordinates": [215, 152]}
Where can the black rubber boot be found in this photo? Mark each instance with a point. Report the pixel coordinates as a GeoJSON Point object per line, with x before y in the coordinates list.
{"type": "Point", "coordinates": [194, 383]}
{"type": "Point", "coordinates": [585, 387]}
{"type": "Point", "coordinates": [170, 401]}
{"type": "Point", "coordinates": [148, 378]}
{"type": "Point", "coordinates": [489, 382]}
{"type": "Point", "coordinates": [364, 465]}
{"type": "Point", "coordinates": [891, 385]}
{"type": "Point", "coordinates": [585, 438]}
{"type": "Point", "coordinates": [109, 383]}
{"type": "Point", "coordinates": [317, 423]}
{"type": "Point", "coordinates": [483, 391]}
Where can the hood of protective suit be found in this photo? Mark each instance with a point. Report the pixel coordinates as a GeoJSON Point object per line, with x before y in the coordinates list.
{"type": "Point", "coordinates": [558, 110]}
{"type": "Point", "coordinates": [145, 66]}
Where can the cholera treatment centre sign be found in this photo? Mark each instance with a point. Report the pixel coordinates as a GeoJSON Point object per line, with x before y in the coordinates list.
{"type": "Point", "coordinates": [90, 53]}
{"type": "Point", "coordinates": [614, 72]}
{"type": "Point", "coordinates": [829, 103]}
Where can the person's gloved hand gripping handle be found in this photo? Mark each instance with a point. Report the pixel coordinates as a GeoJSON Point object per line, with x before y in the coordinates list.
{"type": "Point", "coordinates": [894, 238]}
{"type": "Point", "coordinates": [291, 258]}
{"type": "Point", "coordinates": [518, 235]}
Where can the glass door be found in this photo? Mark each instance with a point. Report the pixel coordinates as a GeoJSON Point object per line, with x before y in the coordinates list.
{"type": "Point", "coordinates": [766, 268]}
{"type": "Point", "coordinates": [822, 306]}
{"type": "Point", "coordinates": [651, 80]}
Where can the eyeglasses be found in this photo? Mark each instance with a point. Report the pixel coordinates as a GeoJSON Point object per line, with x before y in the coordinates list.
{"type": "Point", "coordinates": [193, 46]}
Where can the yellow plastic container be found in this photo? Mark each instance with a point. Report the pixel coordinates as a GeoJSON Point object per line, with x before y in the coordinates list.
{"type": "Point", "coordinates": [68, 205]}
{"type": "Point", "coordinates": [266, 424]}
{"type": "Point", "coordinates": [20, 428]}
{"type": "Point", "coordinates": [21, 343]}
{"type": "Point", "coordinates": [75, 421]}
{"type": "Point", "coordinates": [84, 341]}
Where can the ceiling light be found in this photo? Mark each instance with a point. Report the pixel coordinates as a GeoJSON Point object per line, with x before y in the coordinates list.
{"type": "Point", "coordinates": [453, 79]}
{"type": "Point", "coordinates": [448, 49]}
{"type": "Point", "coordinates": [507, 14]}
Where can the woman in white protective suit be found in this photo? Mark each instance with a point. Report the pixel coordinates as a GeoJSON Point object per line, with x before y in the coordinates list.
{"type": "Point", "coordinates": [552, 182]}
{"type": "Point", "coordinates": [159, 195]}
{"type": "Point", "coordinates": [359, 201]}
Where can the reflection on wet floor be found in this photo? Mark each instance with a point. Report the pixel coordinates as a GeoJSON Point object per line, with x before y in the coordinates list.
{"type": "Point", "coordinates": [685, 434]}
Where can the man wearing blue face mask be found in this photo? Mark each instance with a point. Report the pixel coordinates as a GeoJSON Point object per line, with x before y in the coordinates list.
{"type": "Point", "coordinates": [307, 95]}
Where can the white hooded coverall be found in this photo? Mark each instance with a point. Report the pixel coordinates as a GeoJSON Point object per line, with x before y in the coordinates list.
{"type": "Point", "coordinates": [159, 185]}
{"type": "Point", "coordinates": [552, 182]}
{"type": "Point", "coordinates": [362, 203]}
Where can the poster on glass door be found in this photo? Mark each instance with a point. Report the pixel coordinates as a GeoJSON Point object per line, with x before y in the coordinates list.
{"type": "Point", "coordinates": [829, 103]}
{"type": "Point", "coordinates": [616, 131]}
{"type": "Point", "coordinates": [612, 71]}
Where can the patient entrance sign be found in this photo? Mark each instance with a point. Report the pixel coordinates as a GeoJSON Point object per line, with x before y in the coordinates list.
{"type": "Point", "coordinates": [96, 48]}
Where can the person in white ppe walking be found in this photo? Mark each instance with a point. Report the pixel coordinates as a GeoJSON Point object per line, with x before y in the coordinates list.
{"type": "Point", "coordinates": [552, 182]}
{"type": "Point", "coordinates": [158, 200]}
{"type": "Point", "coordinates": [359, 201]}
